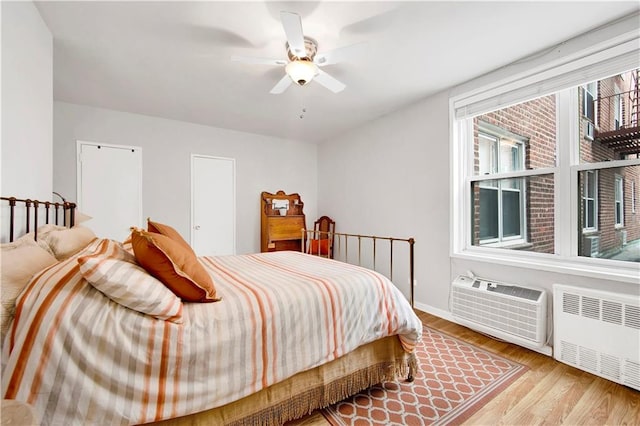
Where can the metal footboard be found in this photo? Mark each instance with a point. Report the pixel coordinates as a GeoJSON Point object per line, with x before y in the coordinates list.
{"type": "Point", "coordinates": [364, 250]}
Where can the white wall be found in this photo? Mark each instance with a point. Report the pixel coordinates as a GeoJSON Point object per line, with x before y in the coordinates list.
{"type": "Point", "coordinates": [391, 178]}
{"type": "Point", "coordinates": [27, 103]}
{"type": "Point", "coordinates": [262, 164]}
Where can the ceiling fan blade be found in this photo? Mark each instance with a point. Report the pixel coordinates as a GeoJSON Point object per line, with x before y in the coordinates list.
{"type": "Point", "coordinates": [341, 54]}
{"type": "Point", "coordinates": [329, 82]}
{"type": "Point", "coordinates": [261, 61]}
{"type": "Point", "coordinates": [293, 29]}
{"type": "Point", "coordinates": [282, 85]}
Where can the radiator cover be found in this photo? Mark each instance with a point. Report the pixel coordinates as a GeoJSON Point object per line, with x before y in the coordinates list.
{"type": "Point", "coordinates": [598, 332]}
{"type": "Point", "coordinates": [509, 312]}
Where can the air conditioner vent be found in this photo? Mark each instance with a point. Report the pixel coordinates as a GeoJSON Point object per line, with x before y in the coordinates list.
{"type": "Point", "coordinates": [588, 359]}
{"type": "Point", "coordinates": [612, 312]}
{"type": "Point", "coordinates": [590, 307]}
{"type": "Point", "coordinates": [610, 366]}
{"type": "Point", "coordinates": [569, 352]}
{"type": "Point", "coordinates": [632, 377]}
{"type": "Point", "coordinates": [571, 303]}
{"type": "Point", "coordinates": [632, 316]}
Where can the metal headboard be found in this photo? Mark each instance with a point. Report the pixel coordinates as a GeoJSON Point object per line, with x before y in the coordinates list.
{"type": "Point", "coordinates": [31, 212]}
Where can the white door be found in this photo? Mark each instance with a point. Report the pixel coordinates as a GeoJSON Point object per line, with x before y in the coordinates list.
{"type": "Point", "coordinates": [109, 180]}
{"type": "Point", "coordinates": [213, 205]}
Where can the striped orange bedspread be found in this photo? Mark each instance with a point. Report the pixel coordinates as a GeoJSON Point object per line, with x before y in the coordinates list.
{"type": "Point", "coordinates": [81, 358]}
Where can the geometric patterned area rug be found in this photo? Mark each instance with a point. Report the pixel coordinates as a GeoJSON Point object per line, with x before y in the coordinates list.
{"type": "Point", "coordinates": [454, 380]}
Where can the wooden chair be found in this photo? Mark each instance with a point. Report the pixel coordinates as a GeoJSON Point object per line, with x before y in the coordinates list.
{"type": "Point", "coordinates": [323, 237]}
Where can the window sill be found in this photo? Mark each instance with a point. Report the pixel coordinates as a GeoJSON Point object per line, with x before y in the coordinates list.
{"type": "Point", "coordinates": [628, 272]}
{"type": "Point", "coordinates": [511, 245]}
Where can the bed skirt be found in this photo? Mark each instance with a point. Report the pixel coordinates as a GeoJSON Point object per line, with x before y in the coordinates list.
{"type": "Point", "coordinates": [309, 390]}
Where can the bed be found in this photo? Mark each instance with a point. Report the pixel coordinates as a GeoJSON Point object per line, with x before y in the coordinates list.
{"type": "Point", "coordinates": [282, 334]}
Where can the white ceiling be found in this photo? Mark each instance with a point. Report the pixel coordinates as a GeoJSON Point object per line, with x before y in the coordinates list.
{"type": "Point", "coordinates": [172, 59]}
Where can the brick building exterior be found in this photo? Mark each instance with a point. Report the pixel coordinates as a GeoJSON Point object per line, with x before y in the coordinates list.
{"type": "Point", "coordinates": [533, 122]}
{"type": "Point", "coordinates": [614, 137]}
{"type": "Point", "coordinates": [528, 130]}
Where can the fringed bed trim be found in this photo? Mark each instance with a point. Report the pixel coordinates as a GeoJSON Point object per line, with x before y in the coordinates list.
{"type": "Point", "coordinates": [323, 396]}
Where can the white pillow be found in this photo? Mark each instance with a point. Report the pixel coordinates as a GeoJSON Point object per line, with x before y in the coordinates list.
{"type": "Point", "coordinates": [20, 261]}
{"type": "Point", "coordinates": [113, 271]}
{"type": "Point", "coordinates": [65, 242]}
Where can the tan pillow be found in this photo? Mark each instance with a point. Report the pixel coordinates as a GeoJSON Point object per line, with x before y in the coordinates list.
{"type": "Point", "coordinates": [28, 239]}
{"type": "Point", "coordinates": [113, 271]}
{"type": "Point", "coordinates": [174, 265]}
{"type": "Point", "coordinates": [167, 231]}
{"type": "Point", "coordinates": [65, 242]}
{"type": "Point", "coordinates": [20, 261]}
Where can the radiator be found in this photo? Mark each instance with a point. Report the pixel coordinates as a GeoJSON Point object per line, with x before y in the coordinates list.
{"type": "Point", "coordinates": [598, 332]}
{"type": "Point", "coordinates": [509, 312]}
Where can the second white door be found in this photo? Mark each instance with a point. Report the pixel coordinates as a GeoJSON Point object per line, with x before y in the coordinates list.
{"type": "Point", "coordinates": [213, 205]}
{"type": "Point", "coordinates": [109, 182]}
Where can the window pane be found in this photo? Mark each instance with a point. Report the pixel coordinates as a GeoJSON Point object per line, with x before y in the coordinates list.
{"type": "Point", "coordinates": [609, 228]}
{"type": "Point", "coordinates": [488, 213]}
{"type": "Point", "coordinates": [518, 214]}
{"type": "Point", "coordinates": [591, 213]}
{"type": "Point", "coordinates": [510, 156]}
{"type": "Point", "coordinates": [609, 119]}
{"type": "Point", "coordinates": [486, 155]}
{"type": "Point", "coordinates": [591, 184]}
{"type": "Point", "coordinates": [526, 134]}
{"type": "Point", "coordinates": [618, 189]}
{"type": "Point", "coordinates": [511, 213]}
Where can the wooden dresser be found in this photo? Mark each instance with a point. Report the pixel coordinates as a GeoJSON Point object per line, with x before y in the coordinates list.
{"type": "Point", "coordinates": [281, 231]}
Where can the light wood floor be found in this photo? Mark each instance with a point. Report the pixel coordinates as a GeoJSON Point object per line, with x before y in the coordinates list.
{"type": "Point", "coordinates": [550, 393]}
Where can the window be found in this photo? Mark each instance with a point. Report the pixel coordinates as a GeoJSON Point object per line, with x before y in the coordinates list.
{"type": "Point", "coordinates": [619, 201]}
{"type": "Point", "coordinates": [633, 196]}
{"type": "Point", "coordinates": [501, 208]}
{"type": "Point", "coordinates": [617, 111]}
{"type": "Point", "coordinates": [588, 100]}
{"type": "Point", "coordinates": [589, 201]}
{"type": "Point", "coordinates": [527, 188]}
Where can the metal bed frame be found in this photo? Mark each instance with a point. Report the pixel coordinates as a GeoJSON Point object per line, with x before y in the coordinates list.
{"type": "Point", "coordinates": [342, 247]}
{"type": "Point", "coordinates": [31, 213]}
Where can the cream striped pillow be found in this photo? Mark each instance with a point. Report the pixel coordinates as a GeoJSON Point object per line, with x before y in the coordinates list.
{"type": "Point", "coordinates": [113, 271]}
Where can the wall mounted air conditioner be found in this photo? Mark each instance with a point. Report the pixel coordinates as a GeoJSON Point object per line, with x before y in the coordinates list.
{"type": "Point", "coordinates": [623, 237]}
{"type": "Point", "coordinates": [598, 332]}
{"type": "Point", "coordinates": [509, 312]}
{"type": "Point", "coordinates": [590, 245]}
{"type": "Point", "coordinates": [589, 130]}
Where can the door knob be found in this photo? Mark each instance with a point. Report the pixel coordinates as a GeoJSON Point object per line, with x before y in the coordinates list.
{"type": "Point", "coordinates": [197, 227]}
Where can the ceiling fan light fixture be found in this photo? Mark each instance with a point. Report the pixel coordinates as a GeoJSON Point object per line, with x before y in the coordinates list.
{"type": "Point", "coordinates": [301, 71]}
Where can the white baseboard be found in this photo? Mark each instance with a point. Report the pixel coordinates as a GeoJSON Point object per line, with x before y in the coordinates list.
{"type": "Point", "coordinates": [441, 313]}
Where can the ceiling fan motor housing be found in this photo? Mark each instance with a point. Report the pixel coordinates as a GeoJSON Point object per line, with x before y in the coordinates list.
{"type": "Point", "coordinates": [310, 46]}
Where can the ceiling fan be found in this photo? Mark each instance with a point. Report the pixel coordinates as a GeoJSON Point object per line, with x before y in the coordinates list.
{"type": "Point", "coordinates": [302, 65]}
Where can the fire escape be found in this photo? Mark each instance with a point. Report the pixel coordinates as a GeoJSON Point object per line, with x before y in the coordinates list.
{"type": "Point", "coordinates": [622, 134]}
